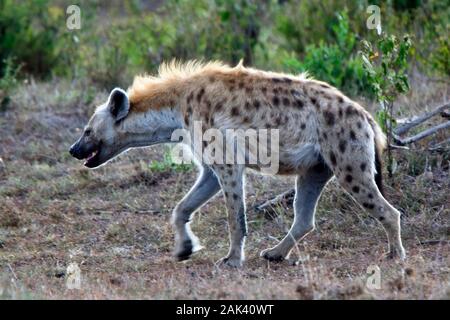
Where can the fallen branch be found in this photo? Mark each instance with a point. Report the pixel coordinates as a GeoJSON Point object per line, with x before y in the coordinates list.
{"type": "Point", "coordinates": [434, 242]}
{"type": "Point", "coordinates": [416, 120]}
{"type": "Point", "coordinates": [284, 200]}
{"type": "Point", "coordinates": [421, 135]}
{"type": "Point", "coordinates": [439, 146]}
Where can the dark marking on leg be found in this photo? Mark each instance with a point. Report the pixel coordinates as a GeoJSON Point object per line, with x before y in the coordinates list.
{"type": "Point", "coordinates": [363, 167]}
{"type": "Point", "coordinates": [332, 158]}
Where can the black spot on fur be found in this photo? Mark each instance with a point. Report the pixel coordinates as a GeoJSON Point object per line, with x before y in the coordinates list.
{"type": "Point", "coordinates": [287, 80]}
{"type": "Point", "coordinates": [332, 158]}
{"type": "Point", "coordinates": [359, 124]}
{"type": "Point", "coordinates": [363, 167]}
{"type": "Point", "coordinates": [340, 99]}
{"type": "Point", "coordinates": [264, 90]}
{"type": "Point", "coordinates": [286, 101]}
{"type": "Point", "coordinates": [349, 178]}
{"type": "Point", "coordinates": [329, 118]}
{"type": "Point", "coordinates": [200, 95]}
{"type": "Point", "coordinates": [276, 80]}
{"type": "Point", "coordinates": [370, 196]}
{"type": "Point", "coordinates": [342, 146]}
{"type": "Point", "coordinates": [241, 85]}
{"type": "Point", "coordinates": [368, 205]}
{"type": "Point", "coordinates": [276, 101]}
{"type": "Point", "coordinates": [381, 218]}
{"type": "Point", "coordinates": [235, 111]}
{"type": "Point", "coordinates": [355, 189]}
{"type": "Point", "coordinates": [219, 106]}
{"type": "Point", "coordinates": [349, 168]}
{"type": "Point", "coordinates": [350, 110]}
{"type": "Point", "coordinates": [235, 196]}
{"type": "Point", "coordinates": [190, 97]}
{"type": "Point", "coordinates": [314, 101]}
{"type": "Point", "coordinates": [340, 113]}
{"type": "Point", "coordinates": [352, 135]}
{"type": "Point", "coordinates": [303, 126]}
{"type": "Point", "coordinates": [299, 103]}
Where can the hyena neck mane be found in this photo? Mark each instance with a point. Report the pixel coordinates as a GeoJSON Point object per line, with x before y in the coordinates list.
{"type": "Point", "coordinates": [166, 89]}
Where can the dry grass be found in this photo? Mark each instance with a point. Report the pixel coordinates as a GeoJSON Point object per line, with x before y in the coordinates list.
{"type": "Point", "coordinates": [114, 221]}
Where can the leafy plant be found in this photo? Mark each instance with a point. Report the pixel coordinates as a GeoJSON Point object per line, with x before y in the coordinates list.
{"type": "Point", "coordinates": [167, 164]}
{"type": "Point", "coordinates": [386, 65]}
{"type": "Point", "coordinates": [335, 63]}
{"type": "Point", "coordinates": [8, 81]}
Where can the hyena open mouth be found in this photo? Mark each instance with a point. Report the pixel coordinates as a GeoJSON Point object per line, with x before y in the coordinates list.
{"type": "Point", "coordinates": [92, 159]}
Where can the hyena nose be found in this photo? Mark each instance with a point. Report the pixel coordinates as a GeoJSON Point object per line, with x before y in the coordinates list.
{"type": "Point", "coordinates": [72, 151]}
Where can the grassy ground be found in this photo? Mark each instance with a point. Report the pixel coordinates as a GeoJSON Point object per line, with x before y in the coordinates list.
{"type": "Point", "coordinates": [114, 222]}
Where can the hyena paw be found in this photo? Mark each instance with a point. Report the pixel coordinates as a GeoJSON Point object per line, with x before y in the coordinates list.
{"type": "Point", "coordinates": [272, 255]}
{"type": "Point", "coordinates": [186, 248]}
{"type": "Point", "coordinates": [228, 261]}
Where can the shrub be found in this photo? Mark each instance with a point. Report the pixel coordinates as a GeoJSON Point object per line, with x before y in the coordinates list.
{"type": "Point", "coordinates": [28, 33]}
{"type": "Point", "coordinates": [7, 82]}
{"type": "Point", "coordinates": [335, 63]}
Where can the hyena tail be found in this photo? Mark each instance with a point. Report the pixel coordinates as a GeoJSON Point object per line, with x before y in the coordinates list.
{"type": "Point", "coordinates": [380, 146]}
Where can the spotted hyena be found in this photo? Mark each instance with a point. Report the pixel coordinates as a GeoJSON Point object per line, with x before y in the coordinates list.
{"type": "Point", "coordinates": [322, 134]}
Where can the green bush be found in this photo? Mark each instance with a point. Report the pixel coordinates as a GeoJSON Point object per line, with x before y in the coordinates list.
{"type": "Point", "coordinates": [8, 81]}
{"type": "Point", "coordinates": [337, 63]}
{"type": "Point", "coordinates": [28, 33]}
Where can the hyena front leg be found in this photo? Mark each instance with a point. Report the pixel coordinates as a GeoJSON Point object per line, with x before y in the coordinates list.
{"type": "Point", "coordinates": [206, 186]}
{"type": "Point", "coordinates": [232, 181]}
{"type": "Point", "coordinates": [308, 188]}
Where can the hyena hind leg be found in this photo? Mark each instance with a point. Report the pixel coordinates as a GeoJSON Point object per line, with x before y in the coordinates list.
{"type": "Point", "coordinates": [206, 186]}
{"type": "Point", "coordinates": [309, 186]}
{"type": "Point", "coordinates": [363, 189]}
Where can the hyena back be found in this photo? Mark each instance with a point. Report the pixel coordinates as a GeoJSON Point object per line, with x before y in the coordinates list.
{"type": "Point", "coordinates": [322, 134]}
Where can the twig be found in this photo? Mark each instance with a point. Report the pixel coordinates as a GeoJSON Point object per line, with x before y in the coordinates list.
{"type": "Point", "coordinates": [12, 271]}
{"type": "Point", "coordinates": [439, 146]}
{"type": "Point", "coordinates": [421, 135]}
{"type": "Point", "coordinates": [268, 206]}
{"type": "Point", "coordinates": [416, 120]}
{"type": "Point", "coordinates": [394, 146]}
{"type": "Point", "coordinates": [434, 242]}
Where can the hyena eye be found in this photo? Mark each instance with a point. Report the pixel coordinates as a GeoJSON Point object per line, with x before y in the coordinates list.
{"type": "Point", "coordinates": [87, 132]}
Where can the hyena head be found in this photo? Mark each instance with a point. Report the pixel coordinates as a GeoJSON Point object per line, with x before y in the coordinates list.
{"type": "Point", "coordinates": [101, 140]}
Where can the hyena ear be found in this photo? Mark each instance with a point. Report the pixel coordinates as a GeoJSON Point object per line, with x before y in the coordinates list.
{"type": "Point", "coordinates": [118, 104]}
